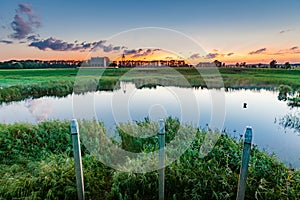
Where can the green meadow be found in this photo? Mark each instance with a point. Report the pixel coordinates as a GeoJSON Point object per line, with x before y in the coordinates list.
{"type": "Point", "coordinates": [231, 76]}
{"type": "Point", "coordinates": [21, 84]}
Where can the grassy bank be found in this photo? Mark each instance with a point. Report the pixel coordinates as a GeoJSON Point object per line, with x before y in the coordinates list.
{"type": "Point", "coordinates": [36, 163]}
{"type": "Point", "coordinates": [231, 76]}
{"type": "Point", "coordinates": [21, 84]}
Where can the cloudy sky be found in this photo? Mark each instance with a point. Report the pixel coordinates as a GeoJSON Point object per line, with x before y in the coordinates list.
{"type": "Point", "coordinates": [230, 31]}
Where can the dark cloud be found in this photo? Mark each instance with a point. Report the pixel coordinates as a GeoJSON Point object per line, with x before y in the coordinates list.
{"type": "Point", "coordinates": [34, 21]}
{"type": "Point", "coordinates": [294, 48]}
{"type": "Point", "coordinates": [129, 52]}
{"type": "Point", "coordinates": [285, 31]}
{"type": "Point", "coordinates": [6, 41]}
{"type": "Point", "coordinates": [24, 8]}
{"type": "Point", "coordinates": [24, 22]}
{"type": "Point", "coordinates": [21, 28]}
{"type": "Point", "coordinates": [80, 47]}
{"type": "Point", "coordinates": [259, 51]}
{"type": "Point", "coordinates": [60, 45]}
{"type": "Point", "coordinates": [33, 38]}
{"type": "Point", "coordinates": [139, 52]}
{"type": "Point", "coordinates": [86, 45]}
{"type": "Point", "coordinates": [214, 55]}
{"type": "Point", "coordinates": [211, 55]}
{"type": "Point", "coordinates": [117, 48]}
{"type": "Point", "coordinates": [100, 45]}
{"type": "Point", "coordinates": [108, 48]}
{"type": "Point", "coordinates": [142, 53]}
{"type": "Point", "coordinates": [195, 56]}
{"type": "Point", "coordinates": [53, 44]}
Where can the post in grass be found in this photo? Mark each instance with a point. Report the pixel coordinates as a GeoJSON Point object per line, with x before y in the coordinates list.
{"type": "Point", "coordinates": [77, 159]}
{"type": "Point", "coordinates": [244, 166]}
{"type": "Point", "coordinates": [161, 169]}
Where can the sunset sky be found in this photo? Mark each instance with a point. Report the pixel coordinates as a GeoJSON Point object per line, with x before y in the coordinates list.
{"type": "Point", "coordinates": [230, 31]}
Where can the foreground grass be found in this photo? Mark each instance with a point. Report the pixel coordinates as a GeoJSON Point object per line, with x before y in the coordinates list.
{"type": "Point", "coordinates": [36, 163]}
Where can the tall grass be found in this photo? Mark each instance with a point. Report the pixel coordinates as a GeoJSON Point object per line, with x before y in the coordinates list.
{"type": "Point", "coordinates": [212, 177]}
{"type": "Point", "coordinates": [20, 92]}
{"type": "Point", "coordinates": [36, 163]}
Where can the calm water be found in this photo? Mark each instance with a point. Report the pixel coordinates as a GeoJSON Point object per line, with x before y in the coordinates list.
{"type": "Point", "coordinates": [190, 105]}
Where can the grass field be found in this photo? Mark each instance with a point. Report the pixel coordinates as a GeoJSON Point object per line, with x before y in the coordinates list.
{"type": "Point", "coordinates": [231, 76]}
{"type": "Point", "coordinates": [20, 84]}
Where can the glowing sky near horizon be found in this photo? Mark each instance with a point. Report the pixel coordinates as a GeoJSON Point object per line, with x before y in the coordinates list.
{"type": "Point", "coordinates": [230, 31]}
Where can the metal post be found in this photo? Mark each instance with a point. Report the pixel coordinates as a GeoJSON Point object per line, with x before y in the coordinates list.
{"type": "Point", "coordinates": [161, 169]}
{"type": "Point", "coordinates": [77, 159]}
{"type": "Point", "coordinates": [244, 166]}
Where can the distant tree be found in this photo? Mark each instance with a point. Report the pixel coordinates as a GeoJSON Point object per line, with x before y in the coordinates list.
{"type": "Point", "coordinates": [237, 64]}
{"type": "Point", "coordinates": [287, 65]}
{"type": "Point", "coordinates": [113, 64]}
{"type": "Point", "coordinates": [17, 65]}
{"type": "Point", "coordinates": [273, 64]}
{"type": "Point", "coordinates": [243, 64]}
{"type": "Point", "coordinates": [218, 63]}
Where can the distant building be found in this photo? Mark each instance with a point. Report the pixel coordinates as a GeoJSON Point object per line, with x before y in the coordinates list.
{"type": "Point", "coordinates": [99, 61]}
{"type": "Point", "coordinates": [205, 64]}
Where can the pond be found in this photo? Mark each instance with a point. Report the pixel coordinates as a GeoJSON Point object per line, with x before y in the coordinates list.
{"type": "Point", "coordinates": [191, 105]}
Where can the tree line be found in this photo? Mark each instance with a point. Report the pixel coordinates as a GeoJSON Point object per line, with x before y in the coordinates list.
{"type": "Point", "coordinates": [38, 64]}
{"type": "Point", "coordinates": [272, 64]}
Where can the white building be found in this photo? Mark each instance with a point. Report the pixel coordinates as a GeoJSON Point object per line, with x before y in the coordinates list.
{"type": "Point", "coordinates": [99, 61]}
{"type": "Point", "coordinates": [205, 64]}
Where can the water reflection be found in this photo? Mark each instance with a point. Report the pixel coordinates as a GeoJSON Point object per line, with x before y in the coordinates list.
{"type": "Point", "coordinates": [263, 108]}
{"type": "Point", "coordinates": [291, 121]}
{"type": "Point", "coordinates": [286, 93]}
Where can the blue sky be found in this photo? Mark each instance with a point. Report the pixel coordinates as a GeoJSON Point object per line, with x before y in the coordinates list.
{"type": "Point", "coordinates": [220, 27]}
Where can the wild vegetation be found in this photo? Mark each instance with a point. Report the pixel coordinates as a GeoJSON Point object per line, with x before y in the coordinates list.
{"type": "Point", "coordinates": [286, 93]}
{"type": "Point", "coordinates": [295, 100]}
{"type": "Point", "coordinates": [36, 163]}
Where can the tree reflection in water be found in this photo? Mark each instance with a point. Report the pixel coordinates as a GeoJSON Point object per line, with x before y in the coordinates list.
{"type": "Point", "coordinates": [286, 93]}
{"type": "Point", "coordinates": [291, 121]}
